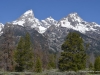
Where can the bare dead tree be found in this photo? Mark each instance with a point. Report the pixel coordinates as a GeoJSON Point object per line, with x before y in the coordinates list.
{"type": "Point", "coordinates": [8, 48]}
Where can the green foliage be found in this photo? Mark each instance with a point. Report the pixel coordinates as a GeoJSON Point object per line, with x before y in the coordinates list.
{"type": "Point", "coordinates": [51, 63]}
{"type": "Point", "coordinates": [28, 53]}
{"type": "Point", "coordinates": [97, 64]}
{"type": "Point", "coordinates": [18, 55]}
{"type": "Point", "coordinates": [46, 73]}
{"type": "Point", "coordinates": [38, 65]}
{"type": "Point", "coordinates": [90, 66]}
{"type": "Point", "coordinates": [73, 56]}
{"type": "Point", "coordinates": [23, 55]}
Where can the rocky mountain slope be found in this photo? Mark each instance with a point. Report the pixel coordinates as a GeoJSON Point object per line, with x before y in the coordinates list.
{"type": "Point", "coordinates": [89, 31]}
{"type": "Point", "coordinates": [28, 20]}
{"type": "Point", "coordinates": [52, 33]}
{"type": "Point", "coordinates": [39, 41]}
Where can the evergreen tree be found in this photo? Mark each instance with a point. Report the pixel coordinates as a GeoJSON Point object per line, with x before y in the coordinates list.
{"type": "Point", "coordinates": [90, 66]}
{"type": "Point", "coordinates": [19, 56]}
{"type": "Point", "coordinates": [28, 53]}
{"type": "Point", "coordinates": [38, 65]}
{"type": "Point", "coordinates": [97, 64]}
{"type": "Point", "coordinates": [24, 54]}
{"type": "Point", "coordinates": [52, 62]}
{"type": "Point", "coordinates": [73, 56]}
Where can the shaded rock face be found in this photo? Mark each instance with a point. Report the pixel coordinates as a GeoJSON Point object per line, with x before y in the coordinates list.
{"type": "Point", "coordinates": [90, 32]}
{"type": "Point", "coordinates": [57, 35]}
{"type": "Point", "coordinates": [53, 38]}
{"type": "Point", "coordinates": [39, 41]}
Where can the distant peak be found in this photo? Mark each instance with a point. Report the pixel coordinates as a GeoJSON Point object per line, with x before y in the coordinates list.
{"type": "Point", "coordinates": [29, 12]}
{"type": "Point", "coordinates": [1, 24]}
{"type": "Point", "coordinates": [27, 15]}
{"type": "Point", "coordinates": [75, 17]}
{"type": "Point", "coordinates": [73, 14]}
{"type": "Point", "coordinates": [50, 18]}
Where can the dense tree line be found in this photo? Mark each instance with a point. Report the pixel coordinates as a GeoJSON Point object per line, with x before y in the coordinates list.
{"type": "Point", "coordinates": [27, 59]}
{"type": "Point", "coordinates": [23, 56]}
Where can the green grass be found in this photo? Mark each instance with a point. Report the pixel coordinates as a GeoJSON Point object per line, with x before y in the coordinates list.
{"type": "Point", "coordinates": [47, 72]}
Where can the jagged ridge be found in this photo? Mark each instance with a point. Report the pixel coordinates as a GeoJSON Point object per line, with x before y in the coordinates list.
{"type": "Point", "coordinates": [72, 21]}
{"type": "Point", "coordinates": [56, 31]}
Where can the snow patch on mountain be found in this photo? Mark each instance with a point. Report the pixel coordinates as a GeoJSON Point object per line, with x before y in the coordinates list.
{"type": "Point", "coordinates": [75, 17]}
{"type": "Point", "coordinates": [29, 12]}
{"type": "Point", "coordinates": [48, 22]}
{"type": "Point", "coordinates": [1, 27]}
{"type": "Point", "coordinates": [18, 23]}
{"type": "Point", "coordinates": [73, 21]}
{"type": "Point", "coordinates": [42, 29]}
{"type": "Point", "coordinates": [27, 16]}
{"type": "Point", "coordinates": [28, 20]}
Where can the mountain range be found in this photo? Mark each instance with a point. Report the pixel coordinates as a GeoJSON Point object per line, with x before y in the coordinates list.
{"type": "Point", "coordinates": [50, 34]}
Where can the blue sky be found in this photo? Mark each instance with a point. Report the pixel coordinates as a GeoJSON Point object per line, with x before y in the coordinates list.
{"type": "Point", "coordinates": [89, 10]}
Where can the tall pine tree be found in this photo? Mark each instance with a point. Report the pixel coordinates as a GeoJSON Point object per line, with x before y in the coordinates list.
{"type": "Point", "coordinates": [52, 61]}
{"type": "Point", "coordinates": [28, 53]}
{"type": "Point", "coordinates": [24, 54]}
{"type": "Point", "coordinates": [73, 56]}
{"type": "Point", "coordinates": [97, 64]}
{"type": "Point", "coordinates": [19, 56]}
{"type": "Point", "coordinates": [38, 65]}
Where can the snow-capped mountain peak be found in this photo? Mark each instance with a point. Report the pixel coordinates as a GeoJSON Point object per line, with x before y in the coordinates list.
{"type": "Point", "coordinates": [75, 17]}
{"type": "Point", "coordinates": [50, 18]}
{"type": "Point", "coordinates": [28, 20]}
{"type": "Point", "coordinates": [75, 22]}
{"type": "Point", "coordinates": [72, 21]}
{"type": "Point", "coordinates": [27, 16]}
{"type": "Point", "coordinates": [1, 24]}
{"type": "Point", "coordinates": [50, 21]}
{"type": "Point", "coordinates": [29, 12]}
{"type": "Point", "coordinates": [73, 14]}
